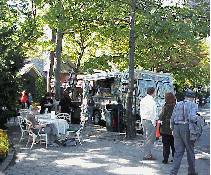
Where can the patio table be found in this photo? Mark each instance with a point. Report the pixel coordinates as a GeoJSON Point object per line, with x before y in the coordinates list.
{"type": "Point", "coordinates": [60, 124]}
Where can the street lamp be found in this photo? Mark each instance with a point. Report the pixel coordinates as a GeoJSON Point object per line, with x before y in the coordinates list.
{"type": "Point", "coordinates": [72, 82]}
{"type": "Point", "coordinates": [64, 85]}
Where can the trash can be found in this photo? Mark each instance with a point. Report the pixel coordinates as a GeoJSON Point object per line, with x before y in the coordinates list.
{"type": "Point", "coordinates": [75, 114]}
{"type": "Point", "coordinates": [114, 121]}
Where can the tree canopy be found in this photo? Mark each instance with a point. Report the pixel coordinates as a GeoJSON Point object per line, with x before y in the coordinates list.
{"type": "Point", "coordinates": [96, 35]}
{"type": "Point", "coordinates": [168, 38]}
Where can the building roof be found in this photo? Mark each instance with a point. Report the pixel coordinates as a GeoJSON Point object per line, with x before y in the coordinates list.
{"type": "Point", "coordinates": [31, 69]}
{"type": "Point", "coordinates": [67, 66]}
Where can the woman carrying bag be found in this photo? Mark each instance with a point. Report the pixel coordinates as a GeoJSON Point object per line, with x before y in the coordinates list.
{"type": "Point", "coordinates": [165, 131]}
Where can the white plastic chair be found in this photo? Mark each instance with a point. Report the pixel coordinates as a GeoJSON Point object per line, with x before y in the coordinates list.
{"type": "Point", "coordinates": [24, 129]}
{"type": "Point", "coordinates": [77, 132]}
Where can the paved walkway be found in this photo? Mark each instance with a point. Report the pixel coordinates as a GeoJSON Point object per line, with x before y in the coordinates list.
{"type": "Point", "coordinates": [102, 153]}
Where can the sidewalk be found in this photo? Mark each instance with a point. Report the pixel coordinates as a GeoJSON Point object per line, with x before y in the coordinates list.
{"type": "Point", "coordinates": [102, 153]}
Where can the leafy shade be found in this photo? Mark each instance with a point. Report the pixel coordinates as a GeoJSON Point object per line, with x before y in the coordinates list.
{"type": "Point", "coordinates": [11, 60]}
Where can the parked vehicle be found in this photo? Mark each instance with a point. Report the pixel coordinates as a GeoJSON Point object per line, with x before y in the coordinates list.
{"type": "Point", "coordinates": [112, 87]}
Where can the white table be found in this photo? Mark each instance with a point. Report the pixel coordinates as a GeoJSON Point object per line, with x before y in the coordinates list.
{"type": "Point", "coordinates": [60, 124]}
{"type": "Point", "coordinates": [43, 116]}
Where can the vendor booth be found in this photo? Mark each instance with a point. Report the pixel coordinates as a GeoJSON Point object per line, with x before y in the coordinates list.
{"type": "Point", "coordinates": [110, 90]}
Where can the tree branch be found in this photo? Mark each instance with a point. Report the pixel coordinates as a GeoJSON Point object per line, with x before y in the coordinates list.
{"type": "Point", "coordinates": [121, 2]}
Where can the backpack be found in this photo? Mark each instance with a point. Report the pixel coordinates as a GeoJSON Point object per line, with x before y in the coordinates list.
{"type": "Point", "coordinates": [69, 142]}
{"type": "Point", "coordinates": [196, 128]}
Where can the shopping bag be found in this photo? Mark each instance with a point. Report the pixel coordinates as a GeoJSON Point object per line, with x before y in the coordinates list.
{"type": "Point", "coordinates": [157, 131]}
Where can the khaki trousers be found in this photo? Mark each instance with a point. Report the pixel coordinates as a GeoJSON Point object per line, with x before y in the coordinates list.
{"type": "Point", "coordinates": [150, 136]}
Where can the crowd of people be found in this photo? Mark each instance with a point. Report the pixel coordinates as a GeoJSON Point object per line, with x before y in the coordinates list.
{"type": "Point", "coordinates": [175, 118]}
{"type": "Point", "coordinates": [48, 103]}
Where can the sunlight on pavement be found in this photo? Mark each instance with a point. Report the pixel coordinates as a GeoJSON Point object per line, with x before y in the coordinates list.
{"type": "Point", "coordinates": [89, 140]}
{"type": "Point", "coordinates": [122, 161]}
{"type": "Point", "coordinates": [98, 149]}
{"type": "Point", "coordinates": [202, 155]}
{"type": "Point", "coordinates": [134, 170]}
{"type": "Point", "coordinates": [79, 162]}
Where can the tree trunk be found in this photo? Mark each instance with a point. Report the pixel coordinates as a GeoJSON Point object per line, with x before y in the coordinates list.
{"type": "Point", "coordinates": [53, 40]}
{"type": "Point", "coordinates": [130, 116]}
{"type": "Point", "coordinates": [58, 65]}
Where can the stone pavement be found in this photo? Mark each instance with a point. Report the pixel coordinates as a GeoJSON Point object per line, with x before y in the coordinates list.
{"type": "Point", "coordinates": [102, 153]}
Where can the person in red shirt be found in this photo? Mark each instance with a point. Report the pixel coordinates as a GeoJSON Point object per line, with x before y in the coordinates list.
{"type": "Point", "coordinates": [23, 99]}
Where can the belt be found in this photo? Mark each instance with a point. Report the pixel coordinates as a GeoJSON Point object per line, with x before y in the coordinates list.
{"type": "Point", "coordinates": [181, 123]}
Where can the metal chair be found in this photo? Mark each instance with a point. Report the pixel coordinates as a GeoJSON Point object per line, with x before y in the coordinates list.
{"type": "Point", "coordinates": [23, 127]}
{"type": "Point", "coordinates": [24, 112]}
{"type": "Point", "coordinates": [35, 136]}
{"type": "Point", "coordinates": [77, 132]}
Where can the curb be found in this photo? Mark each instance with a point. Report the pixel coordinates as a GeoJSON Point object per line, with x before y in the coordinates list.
{"type": "Point", "coordinates": [9, 159]}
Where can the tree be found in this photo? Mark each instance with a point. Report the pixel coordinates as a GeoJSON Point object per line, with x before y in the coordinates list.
{"type": "Point", "coordinates": [40, 88]}
{"type": "Point", "coordinates": [163, 30]}
{"type": "Point", "coordinates": [11, 61]}
{"type": "Point", "coordinates": [160, 36]}
{"type": "Point", "coordinates": [15, 39]}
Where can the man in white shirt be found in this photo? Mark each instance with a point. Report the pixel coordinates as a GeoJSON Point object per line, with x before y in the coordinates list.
{"type": "Point", "coordinates": [148, 117]}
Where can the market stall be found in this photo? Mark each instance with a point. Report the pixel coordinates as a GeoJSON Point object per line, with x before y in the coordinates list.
{"type": "Point", "coordinates": [110, 90]}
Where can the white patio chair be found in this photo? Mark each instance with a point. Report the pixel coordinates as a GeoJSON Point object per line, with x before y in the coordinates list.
{"type": "Point", "coordinates": [24, 112]}
{"type": "Point", "coordinates": [35, 136]}
{"type": "Point", "coordinates": [23, 127]}
{"type": "Point", "coordinates": [77, 132]}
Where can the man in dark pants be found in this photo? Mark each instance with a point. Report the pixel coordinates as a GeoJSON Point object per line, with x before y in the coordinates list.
{"type": "Point", "coordinates": [184, 112]}
{"type": "Point", "coordinates": [65, 104]}
{"type": "Point", "coordinates": [165, 130]}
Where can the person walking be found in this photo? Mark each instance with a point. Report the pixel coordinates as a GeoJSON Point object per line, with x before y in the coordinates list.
{"type": "Point", "coordinates": [23, 99]}
{"type": "Point", "coordinates": [30, 100]}
{"type": "Point", "coordinates": [90, 106]}
{"type": "Point", "coordinates": [184, 112]}
{"type": "Point", "coordinates": [148, 117]}
{"type": "Point", "coordinates": [165, 130]}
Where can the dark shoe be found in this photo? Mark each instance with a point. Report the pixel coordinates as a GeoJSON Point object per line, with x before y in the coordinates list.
{"type": "Point", "coordinates": [165, 162]}
{"type": "Point", "coordinates": [150, 158]}
{"type": "Point", "coordinates": [172, 161]}
{"type": "Point", "coordinates": [193, 173]}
